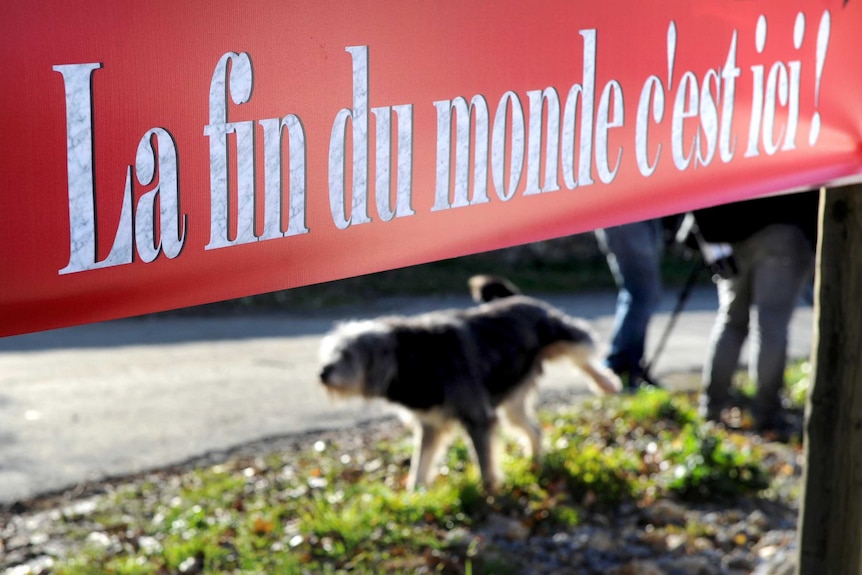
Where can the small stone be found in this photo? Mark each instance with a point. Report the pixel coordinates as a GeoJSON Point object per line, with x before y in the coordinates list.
{"type": "Point", "coordinates": [739, 561]}
{"type": "Point", "coordinates": [99, 539]}
{"type": "Point", "coordinates": [601, 541]}
{"type": "Point", "coordinates": [639, 568]}
{"type": "Point", "coordinates": [35, 566]}
{"type": "Point", "coordinates": [693, 566]}
{"type": "Point", "coordinates": [655, 539]}
{"type": "Point", "coordinates": [783, 562]}
{"type": "Point", "coordinates": [149, 545]}
{"type": "Point", "coordinates": [459, 539]}
{"type": "Point", "coordinates": [507, 527]}
{"type": "Point", "coordinates": [758, 519]}
{"type": "Point", "coordinates": [773, 540]}
{"type": "Point", "coordinates": [601, 520]}
{"type": "Point", "coordinates": [39, 539]}
{"type": "Point", "coordinates": [702, 544]}
{"type": "Point", "coordinates": [675, 540]}
{"type": "Point", "coordinates": [79, 509]}
{"type": "Point", "coordinates": [666, 512]}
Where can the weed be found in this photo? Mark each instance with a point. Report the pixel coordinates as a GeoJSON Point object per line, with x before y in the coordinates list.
{"type": "Point", "coordinates": [708, 467]}
{"type": "Point", "coordinates": [327, 510]}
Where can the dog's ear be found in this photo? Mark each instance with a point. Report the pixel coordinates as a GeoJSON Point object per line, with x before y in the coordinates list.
{"type": "Point", "coordinates": [382, 365]}
{"type": "Point", "coordinates": [485, 288]}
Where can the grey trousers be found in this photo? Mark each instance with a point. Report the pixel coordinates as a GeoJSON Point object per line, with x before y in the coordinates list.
{"type": "Point", "coordinates": [774, 266]}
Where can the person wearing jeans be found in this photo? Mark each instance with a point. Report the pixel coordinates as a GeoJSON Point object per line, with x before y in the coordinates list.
{"type": "Point", "coordinates": [773, 248]}
{"type": "Point", "coordinates": [634, 252]}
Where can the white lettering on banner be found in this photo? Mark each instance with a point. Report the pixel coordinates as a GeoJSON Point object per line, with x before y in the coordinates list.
{"type": "Point", "coordinates": [82, 191]}
{"type": "Point", "coordinates": [498, 146]}
{"type": "Point", "coordinates": [358, 115]}
{"type": "Point", "coordinates": [756, 92]}
{"type": "Point", "coordinates": [577, 167]}
{"type": "Point", "coordinates": [823, 33]}
{"type": "Point", "coordinates": [583, 94]}
{"type": "Point", "coordinates": [463, 147]}
{"type": "Point", "coordinates": [82, 188]}
{"type": "Point", "coordinates": [701, 116]}
{"type": "Point", "coordinates": [708, 112]}
{"type": "Point", "coordinates": [729, 73]}
{"type": "Point", "coordinates": [780, 88]}
{"type": "Point", "coordinates": [549, 139]}
{"type": "Point", "coordinates": [699, 100]}
{"type": "Point", "coordinates": [686, 105]}
{"type": "Point", "coordinates": [538, 99]}
{"type": "Point", "coordinates": [172, 223]}
{"type": "Point", "coordinates": [692, 100]}
{"type": "Point", "coordinates": [273, 132]}
{"type": "Point", "coordinates": [404, 173]}
{"type": "Point", "coordinates": [237, 82]}
{"type": "Point", "coordinates": [604, 122]}
{"type": "Point", "coordinates": [652, 91]}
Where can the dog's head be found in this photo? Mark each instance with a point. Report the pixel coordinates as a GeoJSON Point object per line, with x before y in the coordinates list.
{"type": "Point", "coordinates": [358, 359]}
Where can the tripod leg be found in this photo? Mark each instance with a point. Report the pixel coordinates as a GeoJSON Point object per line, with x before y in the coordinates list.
{"type": "Point", "coordinates": [680, 304]}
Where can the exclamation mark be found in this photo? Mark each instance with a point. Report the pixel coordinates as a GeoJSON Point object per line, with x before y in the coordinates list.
{"type": "Point", "coordinates": [822, 45]}
{"type": "Point", "coordinates": [671, 52]}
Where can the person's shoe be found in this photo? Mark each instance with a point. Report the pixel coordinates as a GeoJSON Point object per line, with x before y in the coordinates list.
{"type": "Point", "coordinates": [712, 415]}
{"type": "Point", "coordinates": [711, 411]}
{"type": "Point", "coordinates": [632, 382]}
{"type": "Point", "coordinates": [776, 427]}
{"type": "Point", "coordinates": [645, 379]}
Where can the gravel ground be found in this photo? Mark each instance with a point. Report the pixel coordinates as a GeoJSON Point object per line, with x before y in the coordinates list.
{"type": "Point", "coordinates": [745, 536]}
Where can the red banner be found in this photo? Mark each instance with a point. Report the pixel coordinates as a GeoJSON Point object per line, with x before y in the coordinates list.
{"type": "Point", "coordinates": [161, 154]}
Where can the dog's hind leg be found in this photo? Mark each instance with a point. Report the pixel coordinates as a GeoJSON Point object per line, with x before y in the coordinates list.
{"type": "Point", "coordinates": [602, 380]}
{"type": "Point", "coordinates": [482, 435]}
{"type": "Point", "coordinates": [430, 440]}
{"type": "Point", "coordinates": [519, 414]}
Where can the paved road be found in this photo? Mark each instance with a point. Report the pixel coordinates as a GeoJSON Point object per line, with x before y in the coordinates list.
{"type": "Point", "coordinates": [120, 397]}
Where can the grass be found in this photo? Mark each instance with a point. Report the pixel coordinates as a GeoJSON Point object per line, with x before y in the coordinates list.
{"type": "Point", "coordinates": [797, 379]}
{"type": "Point", "coordinates": [331, 508]}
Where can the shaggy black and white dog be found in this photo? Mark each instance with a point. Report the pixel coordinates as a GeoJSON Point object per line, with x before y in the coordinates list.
{"type": "Point", "coordinates": [460, 366]}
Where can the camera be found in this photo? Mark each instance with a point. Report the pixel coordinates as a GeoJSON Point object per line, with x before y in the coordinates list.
{"type": "Point", "coordinates": [718, 257]}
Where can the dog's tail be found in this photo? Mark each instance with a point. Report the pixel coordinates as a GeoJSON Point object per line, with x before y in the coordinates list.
{"type": "Point", "coordinates": [485, 288]}
{"type": "Point", "coordinates": [576, 338]}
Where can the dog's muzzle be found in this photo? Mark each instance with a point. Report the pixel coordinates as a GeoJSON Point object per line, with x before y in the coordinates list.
{"type": "Point", "coordinates": [326, 374]}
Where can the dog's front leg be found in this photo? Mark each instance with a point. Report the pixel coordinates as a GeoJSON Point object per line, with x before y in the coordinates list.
{"type": "Point", "coordinates": [429, 441]}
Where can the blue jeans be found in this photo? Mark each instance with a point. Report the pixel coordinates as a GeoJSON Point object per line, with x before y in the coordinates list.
{"type": "Point", "coordinates": [773, 267]}
{"type": "Point", "coordinates": [634, 253]}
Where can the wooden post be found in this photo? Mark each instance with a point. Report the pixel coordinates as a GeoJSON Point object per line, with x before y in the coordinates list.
{"type": "Point", "coordinates": [830, 523]}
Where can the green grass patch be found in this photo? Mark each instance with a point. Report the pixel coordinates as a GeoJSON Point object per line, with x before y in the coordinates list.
{"type": "Point", "coordinates": [330, 509]}
{"type": "Point", "coordinates": [797, 378]}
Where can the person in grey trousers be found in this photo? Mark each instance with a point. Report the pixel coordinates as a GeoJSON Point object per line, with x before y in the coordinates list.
{"type": "Point", "coordinates": [773, 241]}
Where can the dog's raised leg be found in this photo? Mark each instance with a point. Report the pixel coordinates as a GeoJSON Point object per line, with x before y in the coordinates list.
{"type": "Point", "coordinates": [603, 380]}
{"type": "Point", "coordinates": [519, 415]}
{"type": "Point", "coordinates": [429, 441]}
